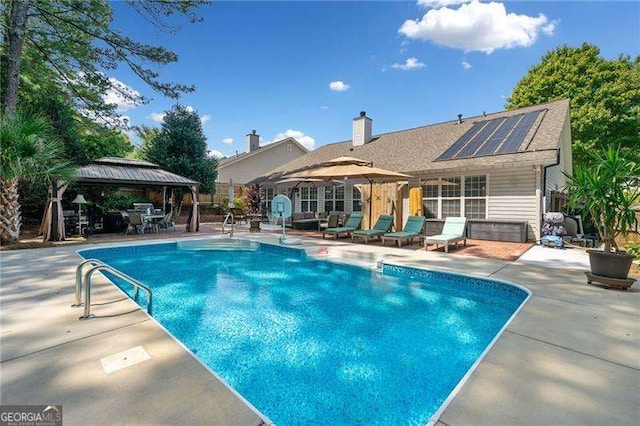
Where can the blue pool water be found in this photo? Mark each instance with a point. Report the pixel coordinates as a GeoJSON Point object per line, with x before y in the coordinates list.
{"type": "Point", "coordinates": [308, 341]}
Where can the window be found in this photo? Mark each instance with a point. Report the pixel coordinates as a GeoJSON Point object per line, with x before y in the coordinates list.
{"type": "Point", "coordinates": [309, 199]}
{"type": "Point", "coordinates": [430, 201]}
{"type": "Point", "coordinates": [455, 196]}
{"type": "Point", "coordinates": [450, 197]}
{"type": "Point", "coordinates": [475, 197]}
{"type": "Point", "coordinates": [430, 208]}
{"type": "Point", "coordinates": [334, 199]}
{"type": "Point", "coordinates": [357, 200]}
{"type": "Point", "coordinates": [267, 196]}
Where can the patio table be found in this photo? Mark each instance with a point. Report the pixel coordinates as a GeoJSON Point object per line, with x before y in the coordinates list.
{"type": "Point", "coordinates": [154, 220]}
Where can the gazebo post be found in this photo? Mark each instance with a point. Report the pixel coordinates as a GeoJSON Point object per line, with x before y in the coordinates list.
{"type": "Point", "coordinates": [53, 220]}
{"type": "Point", "coordinates": [194, 218]}
{"type": "Point", "coordinates": [164, 199]}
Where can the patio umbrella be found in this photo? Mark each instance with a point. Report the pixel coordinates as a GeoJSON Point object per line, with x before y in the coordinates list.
{"type": "Point", "coordinates": [342, 168]}
{"type": "Point", "coordinates": [293, 183]}
{"type": "Point", "coordinates": [231, 203]}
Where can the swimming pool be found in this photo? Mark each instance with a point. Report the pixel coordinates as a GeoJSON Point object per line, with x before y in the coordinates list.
{"type": "Point", "coordinates": [309, 341]}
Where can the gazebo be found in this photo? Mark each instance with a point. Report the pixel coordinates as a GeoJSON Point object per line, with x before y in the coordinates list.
{"type": "Point", "coordinates": [116, 171]}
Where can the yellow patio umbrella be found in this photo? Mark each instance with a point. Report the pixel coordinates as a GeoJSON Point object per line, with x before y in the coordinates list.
{"type": "Point", "coordinates": [344, 168]}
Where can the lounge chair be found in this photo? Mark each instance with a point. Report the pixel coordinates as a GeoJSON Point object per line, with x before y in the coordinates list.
{"type": "Point", "coordinates": [382, 226]}
{"type": "Point", "coordinates": [412, 229]}
{"type": "Point", "coordinates": [452, 232]}
{"type": "Point", "coordinates": [352, 224]}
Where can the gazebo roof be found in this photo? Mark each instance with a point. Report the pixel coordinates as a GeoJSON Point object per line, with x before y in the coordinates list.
{"type": "Point", "coordinates": [123, 171]}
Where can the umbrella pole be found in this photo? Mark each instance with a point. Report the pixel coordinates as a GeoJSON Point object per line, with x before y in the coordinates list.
{"type": "Point", "coordinates": [370, 200]}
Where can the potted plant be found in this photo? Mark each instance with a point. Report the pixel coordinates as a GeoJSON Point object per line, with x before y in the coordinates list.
{"type": "Point", "coordinates": [254, 202]}
{"type": "Point", "coordinates": [606, 191]}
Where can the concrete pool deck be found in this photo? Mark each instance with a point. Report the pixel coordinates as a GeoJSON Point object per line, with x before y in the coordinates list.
{"type": "Point", "coordinates": [571, 356]}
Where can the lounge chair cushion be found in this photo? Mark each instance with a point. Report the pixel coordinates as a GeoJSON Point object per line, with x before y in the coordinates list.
{"type": "Point", "coordinates": [352, 224]}
{"type": "Point", "coordinates": [401, 234]}
{"type": "Point", "coordinates": [382, 226]}
{"type": "Point", "coordinates": [444, 238]}
{"type": "Point", "coordinates": [339, 230]}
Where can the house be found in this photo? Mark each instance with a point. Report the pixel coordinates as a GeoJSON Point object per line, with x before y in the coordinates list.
{"type": "Point", "coordinates": [258, 160]}
{"type": "Point", "coordinates": [499, 170]}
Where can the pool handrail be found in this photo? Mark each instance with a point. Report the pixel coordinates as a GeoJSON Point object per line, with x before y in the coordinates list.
{"type": "Point", "coordinates": [98, 266]}
{"type": "Point", "coordinates": [226, 221]}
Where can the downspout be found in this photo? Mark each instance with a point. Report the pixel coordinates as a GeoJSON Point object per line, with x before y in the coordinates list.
{"type": "Point", "coordinates": [544, 184]}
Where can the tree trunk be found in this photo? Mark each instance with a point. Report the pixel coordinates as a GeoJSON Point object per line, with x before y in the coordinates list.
{"type": "Point", "coordinates": [17, 25]}
{"type": "Point", "coordinates": [10, 216]}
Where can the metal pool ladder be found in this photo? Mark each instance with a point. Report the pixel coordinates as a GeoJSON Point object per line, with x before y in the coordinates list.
{"type": "Point", "coordinates": [97, 265]}
{"type": "Point", "coordinates": [226, 222]}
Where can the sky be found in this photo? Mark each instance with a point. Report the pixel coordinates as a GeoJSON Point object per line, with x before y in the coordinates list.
{"type": "Point", "coordinates": [306, 69]}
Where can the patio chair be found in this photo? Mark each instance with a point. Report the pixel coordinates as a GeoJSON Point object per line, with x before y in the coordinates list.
{"type": "Point", "coordinates": [238, 215]}
{"type": "Point", "coordinates": [352, 224]}
{"type": "Point", "coordinates": [135, 223]}
{"type": "Point", "coordinates": [412, 229]}
{"type": "Point", "coordinates": [382, 226]}
{"type": "Point", "coordinates": [452, 232]}
{"type": "Point", "coordinates": [167, 222]}
{"type": "Point", "coordinates": [330, 222]}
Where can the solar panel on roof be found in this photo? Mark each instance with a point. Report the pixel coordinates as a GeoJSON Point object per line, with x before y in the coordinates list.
{"type": "Point", "coordinates": [462, 141]}
{"type": "Point", "coordinates": [502, 135]}
{"type": "Point", "coordinates": [515, 139]}
{"type": "Point", "coordinates": [480, 138]}
{"type": "Point", "coordinates": [492, 144]}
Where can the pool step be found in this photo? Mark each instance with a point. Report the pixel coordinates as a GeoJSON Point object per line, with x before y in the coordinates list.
{"type": "Point", "coordinates": [218, 244]}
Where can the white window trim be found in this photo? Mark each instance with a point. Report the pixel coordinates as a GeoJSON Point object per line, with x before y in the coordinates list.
{"type": "Point", "coordinates": [462, 197]}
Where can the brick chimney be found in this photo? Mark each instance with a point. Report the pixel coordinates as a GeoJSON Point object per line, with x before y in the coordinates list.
{"type": "Point", "coordinates": [362, 127]}
{"type": "Point", "coordinates": [253, 141]}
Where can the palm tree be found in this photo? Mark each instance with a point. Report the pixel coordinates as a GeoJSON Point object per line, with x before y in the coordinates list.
{"type": "Point", "coordinates": [27, 152]}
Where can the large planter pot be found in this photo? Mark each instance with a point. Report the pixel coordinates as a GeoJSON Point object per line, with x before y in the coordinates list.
{"type": "Point", "coordinates": [611, 265]}
{"type": "Point", "coordinates": [255, 226]}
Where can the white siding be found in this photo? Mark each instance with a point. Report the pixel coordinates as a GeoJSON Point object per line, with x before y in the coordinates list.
{"type": "Point", "coordinates": [512, 196]}
{"type": "Point", "coordinates": [555, 179]}
{"type": "Point", "coordinates": [260, 163]}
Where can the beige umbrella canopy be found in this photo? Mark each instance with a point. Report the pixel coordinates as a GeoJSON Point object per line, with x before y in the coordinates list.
{"type": "Point", "coordinates": [342, 168]}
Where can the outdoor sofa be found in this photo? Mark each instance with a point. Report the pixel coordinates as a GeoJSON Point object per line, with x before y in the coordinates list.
{"type": "Point", "coordinates": [306, 220]}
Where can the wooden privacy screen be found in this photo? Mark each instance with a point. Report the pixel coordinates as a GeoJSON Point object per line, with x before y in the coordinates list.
{"type": "Point", "coordinates": [387, 199]}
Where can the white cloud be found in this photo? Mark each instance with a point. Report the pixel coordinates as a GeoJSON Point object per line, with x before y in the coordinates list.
{"type": "Point", "coordinates": [550, 27]}
{"type": "Point", "coordinates": [122, 96]}
{"type": "Point", "coordinates": [466, 65]}
{"type": "Point", "coordinates": [157, 116]}
{"type": "Point", "coordinates": [205, 118]}
{"type": "Point", "coordinates": [403, 50]}
{"type": "Point", "coordinates": [339, 86]}
{"type": "Point", "coordinates": [477, 26]}
{"type": "Point", "coordinates": [306, 140]}
{"type": "Point", "coordinates": [215, 153]}
{"type": "Point", "coordinates": [324, 107]}
{"type": "Point", "coordinates": [410, 64]}
{"type": "Point", "coordinates": [228, 141]}
{"type": "Point", "coordinates": [437, 4]}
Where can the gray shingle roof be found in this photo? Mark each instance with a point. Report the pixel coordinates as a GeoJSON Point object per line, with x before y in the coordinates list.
{"type": "Point", "coordinates": [123, 171]}
{"type": "Point", "coordinates": [413, 151]}
{"type": "Point", "coordinates": [223, 162]}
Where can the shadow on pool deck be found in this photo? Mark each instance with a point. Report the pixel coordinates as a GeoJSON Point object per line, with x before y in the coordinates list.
{"type": "Point", "coordinates": [571, 356]}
